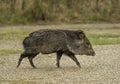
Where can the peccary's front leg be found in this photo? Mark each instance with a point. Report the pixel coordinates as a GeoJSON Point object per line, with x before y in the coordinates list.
{"type": "Point", "coordinates": [72, 56]}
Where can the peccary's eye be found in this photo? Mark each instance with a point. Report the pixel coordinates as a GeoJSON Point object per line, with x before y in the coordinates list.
{"type": "Point", "coordinates": [87, 43]}
{"type": "Point", "coordinates": [81, 36]}
{"type": "Point", "coordinates": [77, 46]}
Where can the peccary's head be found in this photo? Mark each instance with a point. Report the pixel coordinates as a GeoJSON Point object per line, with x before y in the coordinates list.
{"type": "Point", "coordinates": [79, 44]}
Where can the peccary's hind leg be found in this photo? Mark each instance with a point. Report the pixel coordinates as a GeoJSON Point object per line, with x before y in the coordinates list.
{"type": "Point", "coordinates": [23, 55]}
{"type": "Point", "coordinates": [31, 59]}
{"type": "Point", "coordinates": [72, 56]}
{"type": "Point", "coordinates": [59, 55]}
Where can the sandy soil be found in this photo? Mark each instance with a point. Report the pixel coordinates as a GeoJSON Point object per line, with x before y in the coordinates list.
{"type": "Point", "coordinates": [104, 68]}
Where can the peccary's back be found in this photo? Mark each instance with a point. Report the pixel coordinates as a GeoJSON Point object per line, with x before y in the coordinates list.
{"type": "Point", "coordinates": [45, 41]}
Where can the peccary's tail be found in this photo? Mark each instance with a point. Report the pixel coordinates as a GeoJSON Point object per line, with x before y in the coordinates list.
{"type": "Point", "coordinates": [29, 45]}
{"type": "Point", "coordinates": [26, 42]}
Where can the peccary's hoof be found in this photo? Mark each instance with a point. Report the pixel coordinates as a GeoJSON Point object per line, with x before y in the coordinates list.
{"type": "Point", "coordinates": [79, 65]}
{"type": "Point", "coordinates": [58, 66]}
{"type": "Point", "coordinates": [34, 67]}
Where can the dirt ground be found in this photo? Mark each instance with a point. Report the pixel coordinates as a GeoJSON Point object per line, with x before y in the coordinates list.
{"type": "Point", "coordinates": [104, 68]}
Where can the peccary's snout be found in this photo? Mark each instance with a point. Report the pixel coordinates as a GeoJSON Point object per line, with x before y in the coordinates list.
{"type": "Point", "coordinates": [92, 53]}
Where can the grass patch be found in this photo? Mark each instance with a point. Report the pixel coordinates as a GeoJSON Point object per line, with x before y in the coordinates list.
{"type": "Point", "coordinates": [103, 39]}
{"type": "Point", "coordinates": [6, 52]}
{"type": "Point", "coordinates": [13, 34]}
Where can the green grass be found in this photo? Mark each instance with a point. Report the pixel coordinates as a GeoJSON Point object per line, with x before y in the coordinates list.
{"type": "Point", "coordinates": [13, 34]}
{"type": "Point", "coordinates": [103, 39]}
{"type": "Point", "coordinates": [8, 51]}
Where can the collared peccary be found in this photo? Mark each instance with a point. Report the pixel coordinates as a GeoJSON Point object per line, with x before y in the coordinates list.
{"type": "Point", "coordinates": [61, 42]}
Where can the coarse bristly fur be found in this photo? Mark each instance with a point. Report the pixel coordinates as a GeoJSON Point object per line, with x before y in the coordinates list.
{"type": "Point", "coordinates": [66, 42]}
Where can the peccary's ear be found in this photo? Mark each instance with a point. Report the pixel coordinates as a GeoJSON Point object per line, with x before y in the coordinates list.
{"type": "Point", "coordinates": [81, 34]}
